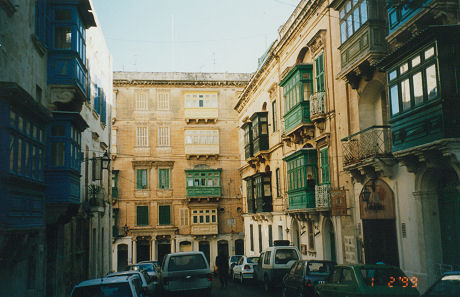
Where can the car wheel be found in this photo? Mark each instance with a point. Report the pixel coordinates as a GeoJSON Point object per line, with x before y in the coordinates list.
{"type": "Point", "coordinates": [284, 291]}
{"type": "Point", "coordinates": [241, 279]}
{"type": "Point", "coordinates": [266, 284]}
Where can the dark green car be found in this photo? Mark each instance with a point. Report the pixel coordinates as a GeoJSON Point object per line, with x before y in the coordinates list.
{"type": "Point", "coordinates": [367, 280]}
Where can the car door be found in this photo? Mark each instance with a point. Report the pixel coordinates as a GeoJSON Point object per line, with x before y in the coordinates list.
{"type": "Point", "coordinates": [329, 289]}
{"type": "Point", "coordinates": [289, 280]}
{"type": "Point", "coordinates": [348, 285]}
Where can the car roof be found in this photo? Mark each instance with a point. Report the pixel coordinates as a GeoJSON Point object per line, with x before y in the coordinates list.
{"type": "Point", "coordinates": [451, 272]}
{"type": "Point", "coordinates": [368, 266]}
{"type": "Point", "coordinates": [128, 272]}
{"type": "Point", "coordinates": [186, 253]}
{"type": "Point", "coordinates": [317, 261]}
{"type": "Point", "coordinates": [99, 281]}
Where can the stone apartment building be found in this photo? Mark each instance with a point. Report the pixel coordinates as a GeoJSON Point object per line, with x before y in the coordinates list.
{"type": "Point", "coordinates": [55, 98]}
{"type": "Point", "coordinates": [288, 117]}
{"type": "Point", "coordinates": [176, 184]}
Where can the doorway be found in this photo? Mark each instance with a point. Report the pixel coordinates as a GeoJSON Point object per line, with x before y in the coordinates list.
{"type": "Point", "coordinates": [222, 248]}
{"type": "Point", "coordinates": [380, 242]}
{"type": "Point", "coordinates": [185, 246]}
{"type": "Point", "coordinates": [122, 257]}
{"type": "Point", "coordinates": [239, 247]}
{"type": "Point", "coordinates": [164, 248]}
{"type": "Point", "coordinates": [142, 250]}
{"type": "Point", "coordinates": [329, 241]}
{"type": "Point", "coordinates": [204, 247]}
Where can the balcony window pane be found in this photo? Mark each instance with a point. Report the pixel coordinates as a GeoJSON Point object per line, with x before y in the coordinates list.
{"type": "Point", "coordinates": [307, 91]}
{"type": "Point", "coordinates": [418, 88]}
{"type": "Point", "coordinates": [201, 219]}
{"type": "Point", "coordinates": [415, 61]}
{"type": "Point", "coordinates": [363, 12]}
{"type": "Point", "coordinates": [62, 38]}
{"type": "Point", "coordinates": [213, 218]}
{"type": "Point", "coordinates": [342, 13]}
{"type": "Point", "coordinates": [343, 31]}
{"type": "Point", "coordinates": [350, 25]}
{"type": "Point", "coordinates": [348, 6]}
{"type": "Point", "coordinates": [63, 15]}
{"type": "Point", "coordinates": [429, 53]}
{"type": "Point", "coordinates": [12, 153]}
{"type": "Point", "coordinates": [403, 68]}
{"type": "Point", "coordinates": [12, 119]}
{"type": "Point", "coordinates": [405, 94]}
{"type": "Point", "coordinates": [58, 131]}
{"type": "Point", "coordinates": [20, 123]}
{"type": "Point", "coordinates": [195, 219]}
{"type": "Point", "coordinates": [392, 75]}
{"type": "Point", "coordinates": [207, 219]}
{"type": "Point", "coordinates": [431, 82]}
{"type": "Point", "coordinates": [356, 20]}
{"type": "Point", "coordinates": [57, 154]}
{"type": "Point", "coordinates": [394, 99]}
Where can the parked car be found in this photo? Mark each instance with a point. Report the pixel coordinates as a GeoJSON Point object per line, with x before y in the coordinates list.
{"type": "Point", "coordinates": [126, 286]}
{"type": "Point", "coordinates": [274, 263]}
{"type": "Point", "coordinates": [447, 286]}
{"type": "Point", "coordinates": [304, 276]}
{"type": "Point", "coordinates": [232, 260]}
{"type": "Point", "coordinates": [148, 266]}
{"type": "Point", "coordinates": [147, 284]}
{"type": "Point", "coordinates": [367, 280]}
{"type": "Point", "coordinates": [186, 272]}
{"type": "Point", "coordinates": [244, 269]}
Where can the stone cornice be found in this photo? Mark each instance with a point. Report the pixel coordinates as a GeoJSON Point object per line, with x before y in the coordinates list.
{"type": "Point", "coordinates": [301, 15]}
{"type": "Point", "coordinates": [178, 83]}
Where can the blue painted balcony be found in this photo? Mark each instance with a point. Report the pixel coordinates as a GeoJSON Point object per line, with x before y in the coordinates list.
{"type": "Point", "coordinates": [63, 165]}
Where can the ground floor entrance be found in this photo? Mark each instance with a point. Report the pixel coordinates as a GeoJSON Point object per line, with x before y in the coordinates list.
{"type": "Point", "coordinates": [380, 244]}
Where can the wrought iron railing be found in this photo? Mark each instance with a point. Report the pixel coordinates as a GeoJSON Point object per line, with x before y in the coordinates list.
{"type": "Point", "coordinates": [322, 196]}
{"type": "Point", "coordinates": [317, 104]}
{"type": "Point", "coordinates": [370, 142]}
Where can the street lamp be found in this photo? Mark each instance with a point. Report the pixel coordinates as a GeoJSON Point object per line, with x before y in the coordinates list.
{"type": "Point", "coordinates": [105, 161]}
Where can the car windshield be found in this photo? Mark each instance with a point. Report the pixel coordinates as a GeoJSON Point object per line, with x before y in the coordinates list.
{"type": "Point", "coordinates": [253, 260]}
{"type": "Point", "coordinates": [449, 285]}
{"type": "Point", "coordinates": [234, 259]}
{"type": "Point", "coordinates": [318, 268]}
{"type": "Point", "coordinates": [147, 267]}
{"type": "Point", "coordinates": [285, 255]}
{"type": "Point", "coordinates": [186, 262]}
{"type": "Point", "coordinates": [107, 290]}
{"type": "Point", "coordinates": [388, 277]}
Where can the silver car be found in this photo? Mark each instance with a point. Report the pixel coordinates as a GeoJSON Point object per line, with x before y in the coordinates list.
{"type": "Point", "coordinates": [147, 285]}
{"type": "Point", "coordinates": [186, 272]}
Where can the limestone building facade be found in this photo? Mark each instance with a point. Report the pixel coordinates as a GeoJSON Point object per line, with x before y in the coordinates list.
{"type": "Point", "coordinates": [176, 184]}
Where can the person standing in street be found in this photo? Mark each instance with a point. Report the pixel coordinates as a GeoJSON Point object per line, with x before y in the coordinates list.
{"type": "Point", "coordinates": [222, 269]}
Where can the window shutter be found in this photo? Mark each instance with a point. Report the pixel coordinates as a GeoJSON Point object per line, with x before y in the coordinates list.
{"type": "Point", "coordinates": [183, 216]}
{"type": "Point", "coordinates": [164, 214]}
{"type": "Point", "coordinates": [324, 158]}
{"type": "Point", "coordinates": [142, 215]}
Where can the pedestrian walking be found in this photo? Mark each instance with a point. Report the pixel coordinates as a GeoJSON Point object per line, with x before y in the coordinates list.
{"type": "Point", "coordinates": [222, 269]}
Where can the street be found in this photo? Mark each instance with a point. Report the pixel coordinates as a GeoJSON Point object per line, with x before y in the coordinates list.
{"type": "Point", "coordinates": [235, 289]}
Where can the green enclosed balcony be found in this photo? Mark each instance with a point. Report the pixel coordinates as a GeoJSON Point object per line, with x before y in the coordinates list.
{"type": "Point", "coordinates": [302, 178]}
{"type": "Point", "coordinates": [203, 183]}
{"type": "Point", "coordinates": [297, 88]}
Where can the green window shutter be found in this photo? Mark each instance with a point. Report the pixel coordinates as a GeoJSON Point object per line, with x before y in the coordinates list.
{"type": "Point", "coordinates": [142, 215]}
{"type": "Point", "coordinates": [319, 63]}
{"type": "Point", "coordinates": [163, 178]}
{"type": "Point", "coordinates": [164, 215]}
{"type": "Point", "coordinates": [141, 179]}
{"type": "Point", "coordinates": [324, 159]}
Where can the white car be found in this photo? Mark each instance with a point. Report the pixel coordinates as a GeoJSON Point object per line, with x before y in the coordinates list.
{"type": "Point", "coordinates": [147, 285]}
{"type": "Point", "coordinates": [244, 269]}
{"type": "Point", "coordinates": [126, 286]}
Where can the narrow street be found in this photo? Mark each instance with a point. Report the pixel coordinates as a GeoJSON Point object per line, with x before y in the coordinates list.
{"type": "Point", "coordinates": [235, 289]}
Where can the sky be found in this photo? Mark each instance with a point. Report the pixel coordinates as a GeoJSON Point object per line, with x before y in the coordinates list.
{"type": "Point", "coordinates": [190, 35]}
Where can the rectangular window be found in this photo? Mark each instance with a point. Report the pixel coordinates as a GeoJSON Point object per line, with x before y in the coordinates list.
{"type": "Point", "coordinates": [260, 237]}
{"type": "Point", "coordinates": [280, 232]}
{"type": "Point", "coordinates": [142, 136]}
{"type": "Point", "coordinates": [418, 88]}
{"type": "Point", "coordinates": [183, 214]}
{"type": "Point", "coordinates": [142, 215]}
{"type": "Point", "coordinates": [251, 236]}
{"type": "Point", "coordinates": [394, 96]}
{"type": "Point", "coordinates": [270, 235]}
{"type": "Point", "coordinates": [62, 37]}
{"type": "Point", "coordinates": [163, 101]}
{"type": "Point", "coordinates": [141, 101]}
{"type": "Point", "coordinates": [164, 215]}
{"type": "Point", "coordinates": [324, 164]}
{"type": "Point", "coordinates": [319, 73]}
{"type": "Point", "coordinates": [163, 136]}
{"type": "Point", "coordinates": [431, 82]}
{"type": "Point", "coordinates": [311, 236]}
{"type": "Point", "coordinates": [275, 124]}
{"type": "Point", "coordinates": [141, 179]}
{"type": "Point", "coordinates": [352, 16]}
{"type": "Point", "coordinates": [278, 183]}
{"type": "Point", "coordinates": [405, 95]}
{"type": "Point", "coordinates": [163, 178]}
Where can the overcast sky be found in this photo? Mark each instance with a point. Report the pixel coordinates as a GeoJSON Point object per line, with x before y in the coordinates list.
{"type": "Point", "coordinates": [190, 35]}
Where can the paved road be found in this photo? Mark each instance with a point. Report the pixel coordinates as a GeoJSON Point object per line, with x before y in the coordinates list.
{"type": "Point", "coordinates": [235, 289]}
